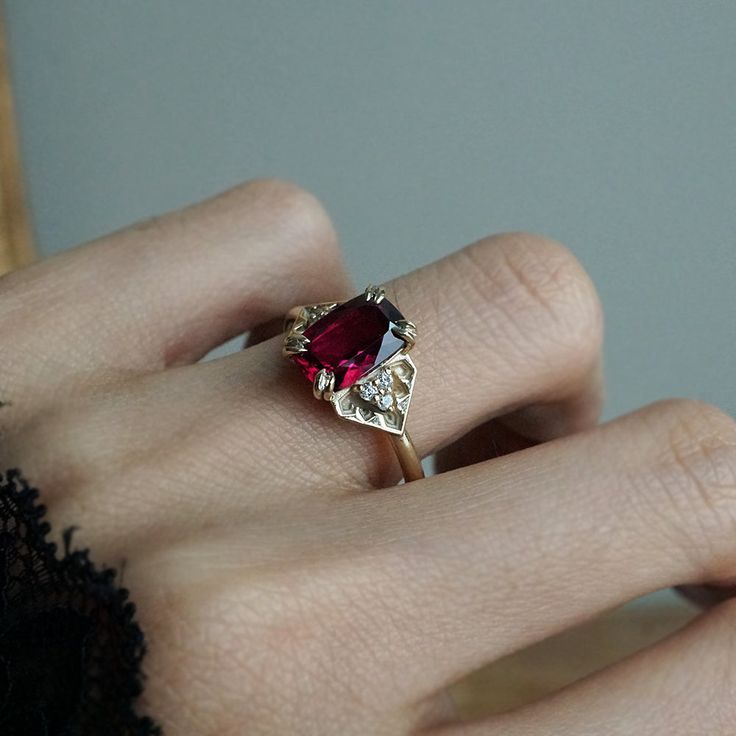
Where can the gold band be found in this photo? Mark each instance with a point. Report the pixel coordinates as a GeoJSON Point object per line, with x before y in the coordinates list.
{"type": "Point", "coordinates": [411, 465]}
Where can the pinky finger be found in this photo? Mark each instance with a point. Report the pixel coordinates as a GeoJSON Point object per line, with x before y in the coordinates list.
{"type": "Point", "coordinates": [682, 686]}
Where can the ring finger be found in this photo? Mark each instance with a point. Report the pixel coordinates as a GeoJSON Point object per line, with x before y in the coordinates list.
{"type": "Point", "coordinates": [509, 321]}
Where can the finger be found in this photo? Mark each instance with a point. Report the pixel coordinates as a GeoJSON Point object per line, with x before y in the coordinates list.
{"type": "Point", "coordinates": [536, 542]}
{"type": "Point", "coordinates": [507, 322]}
{"type": "Point", "coordinates": [525, 427]}
{"type": "Point", "coordinates": [682, 686]}
{"type": "Point", "coordinates": [166, 291]}
{"type": "Point", "coordinates": [416, 588]}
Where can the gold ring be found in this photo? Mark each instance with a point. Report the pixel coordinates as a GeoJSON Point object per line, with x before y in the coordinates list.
{"type": "Point", "coordinates": [355, 354]}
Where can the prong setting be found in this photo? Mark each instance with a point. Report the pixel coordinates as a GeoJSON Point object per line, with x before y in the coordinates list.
{"type": "Point", "coordinates": [374, 293]}
{"type": "Point", "coordinates": [297, 320]}
{"type": "Point", "coordinates": [407, 331]}
{"type": "Point", "coordinates": [294, 344]}
{"type": "Point", "coordinates": [323, 385]}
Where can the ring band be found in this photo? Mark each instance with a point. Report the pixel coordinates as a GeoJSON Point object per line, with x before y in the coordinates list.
{"type": "Point", "coordinates": [355, 354]}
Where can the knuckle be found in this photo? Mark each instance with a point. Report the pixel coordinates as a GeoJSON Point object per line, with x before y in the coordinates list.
{"type": "Point", "coordinates": [700, 473]}
{"type": "Point", "coordinates": [287, 206]}
{"type": "Point", "coordinates": [702, 439]}
{"type": "Point", "coordinates": [533, 277]}
{"type": "Point", "coordinates": [270, 209]}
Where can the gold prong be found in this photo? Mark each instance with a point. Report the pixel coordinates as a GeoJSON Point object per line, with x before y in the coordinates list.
{"type": "Point", "coordinates": [406, 331]}
{"type": "Point", "coordinates": [323, 385]}
{"type": "Point", "coordinates": [313, 312]}
{"type": "Point", "coordinates": [374, 293]}
{"type": "Point", "coordinates": [294, 344]}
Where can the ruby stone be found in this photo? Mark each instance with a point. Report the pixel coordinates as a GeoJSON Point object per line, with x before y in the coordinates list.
{"type": "Point", "coordinates": [351, 340]}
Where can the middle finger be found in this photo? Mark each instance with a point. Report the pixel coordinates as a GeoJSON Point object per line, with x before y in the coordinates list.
{"type": "Point", "coordinates": [413, 590]}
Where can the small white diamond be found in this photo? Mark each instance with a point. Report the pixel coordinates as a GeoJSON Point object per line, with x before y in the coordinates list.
{"type": "Point", "coordinates": [368, 391]}
{"type": "Point", "coordinates": [384, 401]}
{"type": "Point", "coordinates": [384, 379]}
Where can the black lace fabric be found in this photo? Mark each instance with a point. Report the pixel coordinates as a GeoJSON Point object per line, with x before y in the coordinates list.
{"type": "Point", "coordinates": [70, 649]}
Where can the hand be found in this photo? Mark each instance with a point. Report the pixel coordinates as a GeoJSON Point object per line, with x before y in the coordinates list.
{"type": "Point", "coordinates": [284, 585]}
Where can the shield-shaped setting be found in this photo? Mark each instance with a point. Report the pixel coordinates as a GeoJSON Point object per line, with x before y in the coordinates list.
{"type": "Point", "coordinates": [381, 398]}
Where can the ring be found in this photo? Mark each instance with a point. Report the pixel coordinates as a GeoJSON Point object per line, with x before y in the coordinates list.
{"type": "Point", "coordinates": [355, 354]}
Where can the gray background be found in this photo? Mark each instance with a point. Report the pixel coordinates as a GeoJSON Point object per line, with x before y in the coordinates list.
{"type": "Point", "coordinates": [609, 125]}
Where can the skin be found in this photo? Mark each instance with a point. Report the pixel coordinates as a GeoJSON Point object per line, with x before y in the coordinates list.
{"type": "Point", "coordinates": [284, 585]}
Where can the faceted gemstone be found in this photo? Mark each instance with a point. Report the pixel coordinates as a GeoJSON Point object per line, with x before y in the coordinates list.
{"type": "Point", "coordinates": [384, 379]}
{"type": "Point", "coordinates": [351, 340]}
{"type": "Point", "coordinates": [368, 391]}
{"type": "Point", "coordinates": [384, 401]}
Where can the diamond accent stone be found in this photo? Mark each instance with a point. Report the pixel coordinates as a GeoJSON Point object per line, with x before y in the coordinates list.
{"type": "Point", "coordinates": [385, 401]}
{"type": "Point", "coordinates": [384, 380]}
{"type": "Point", "coordinates": [379, 390]}
{"type": "Point", "coordinates": [368, 391]}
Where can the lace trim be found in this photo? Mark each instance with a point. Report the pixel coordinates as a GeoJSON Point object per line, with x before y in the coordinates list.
{"type": "Point", "coordinates": [70, 649]}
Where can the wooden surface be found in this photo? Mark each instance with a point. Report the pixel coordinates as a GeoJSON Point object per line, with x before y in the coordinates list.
{"type": "Point", "coordinates": [16, 248]}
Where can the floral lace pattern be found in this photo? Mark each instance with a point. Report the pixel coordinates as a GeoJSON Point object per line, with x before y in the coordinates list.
{"type": "Point", "coordinates": [70, 649]}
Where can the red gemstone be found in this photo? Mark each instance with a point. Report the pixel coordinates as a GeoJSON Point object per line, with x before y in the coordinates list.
{"type": "Point", "coordinates": [351, 340]}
